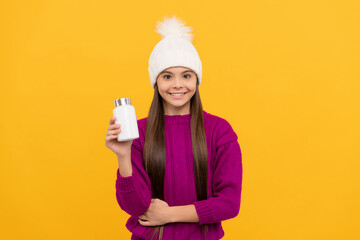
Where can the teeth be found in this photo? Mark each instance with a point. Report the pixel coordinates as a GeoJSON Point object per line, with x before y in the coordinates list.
{"type": "Point", "coordinates": [178, 94]}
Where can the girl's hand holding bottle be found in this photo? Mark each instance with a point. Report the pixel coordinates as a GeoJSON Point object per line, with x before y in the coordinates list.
{"type": "Point", "coordinates": [120, 140]}
{"type": "Point", "coordinates": [121, 149]}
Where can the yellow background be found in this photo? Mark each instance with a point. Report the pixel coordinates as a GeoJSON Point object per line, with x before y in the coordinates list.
{"type": "Point", "coordinates": [285, 74]}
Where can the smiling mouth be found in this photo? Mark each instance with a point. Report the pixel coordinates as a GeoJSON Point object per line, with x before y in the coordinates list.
{"type": "Point", "coordinates": [178, 94]}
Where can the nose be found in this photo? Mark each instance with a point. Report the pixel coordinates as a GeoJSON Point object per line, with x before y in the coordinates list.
{"type": "Point", "coordinates": [178, 82]}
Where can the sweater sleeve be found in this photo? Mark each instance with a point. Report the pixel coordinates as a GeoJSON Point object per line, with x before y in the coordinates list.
{"type": "Point", "coordinates": [133, 193]}
{"type": "Point", "coordinates": [227, 180]}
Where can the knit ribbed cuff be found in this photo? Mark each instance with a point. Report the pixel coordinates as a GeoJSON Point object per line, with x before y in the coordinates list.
{"type": "Point", "coordinates": [204, 212]}
{"type": "Point", "coordinates": [125, 184]}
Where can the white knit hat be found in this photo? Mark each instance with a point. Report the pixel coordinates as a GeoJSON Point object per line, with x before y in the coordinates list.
{"type": "Point", "coordinates": [174, 49]}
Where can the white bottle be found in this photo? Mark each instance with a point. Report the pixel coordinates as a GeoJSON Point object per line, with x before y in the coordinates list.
{"type": "Point", "coordinates": [125, 115]}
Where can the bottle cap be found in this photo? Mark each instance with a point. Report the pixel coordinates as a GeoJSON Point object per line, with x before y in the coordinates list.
{"type": "Point", "coordinates": [122, 101]}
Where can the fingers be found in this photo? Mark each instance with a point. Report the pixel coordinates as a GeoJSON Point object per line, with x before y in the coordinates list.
{"type": "Point", "coordinates": [143, 217]}
{"type": "Point", "coordinates": [108, 138]}
{"type": "Point", "coordinates": [112, 120]}
{"type": "Point", "coordinates": [114, 126]}
{"type": "Point", "coordinates": [113, 132]}
{"type": "Point", "coordinates": [114, 129]}
{"type": "Point", "coordinates": [144, 223]}
{"type": "Point", "coordinates": [112, 123]}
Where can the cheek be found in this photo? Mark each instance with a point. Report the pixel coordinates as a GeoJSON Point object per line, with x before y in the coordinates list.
{"type": "Point", "coordinates": [192, 88]}
{"type": "Point", "coordinates": [192, 85]}
{"type": "Point", "coordinates": [163, 91]}
{"type": "Point", "coordinates": [162, 86]}
{"type": "Point", "coordinates": [162, 94]}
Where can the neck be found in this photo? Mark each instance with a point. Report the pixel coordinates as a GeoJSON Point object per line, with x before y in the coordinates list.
{"type": "Point", "coordinates": [177, 111]}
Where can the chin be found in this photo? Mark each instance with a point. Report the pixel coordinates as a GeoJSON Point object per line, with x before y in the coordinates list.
{"type": "Point", "coordinates": [177, 104]}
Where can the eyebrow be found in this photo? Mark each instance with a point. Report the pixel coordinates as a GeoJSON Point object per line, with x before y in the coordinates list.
{"type": "Point", "coordinates": [172, 73]}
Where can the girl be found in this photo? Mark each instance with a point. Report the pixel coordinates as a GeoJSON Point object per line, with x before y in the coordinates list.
{"type": "Point", "coordinates": [183, 175]}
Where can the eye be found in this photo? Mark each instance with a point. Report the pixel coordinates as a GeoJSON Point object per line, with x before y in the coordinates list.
{"type": "Point", "coordinates": [188, 75]}
{"type": "Point", "coordinates": [166, 75]}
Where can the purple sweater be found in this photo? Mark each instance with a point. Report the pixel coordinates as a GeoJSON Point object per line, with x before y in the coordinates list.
{"type": "Point", "coordinates": [133, 193]}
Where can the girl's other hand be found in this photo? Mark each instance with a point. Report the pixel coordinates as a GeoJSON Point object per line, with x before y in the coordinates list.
{"type": "Point", "coordinates": [159, 213]}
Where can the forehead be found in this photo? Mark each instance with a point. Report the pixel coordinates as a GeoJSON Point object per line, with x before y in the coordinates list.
{"type": "Point", "coordinates": [177, 69]}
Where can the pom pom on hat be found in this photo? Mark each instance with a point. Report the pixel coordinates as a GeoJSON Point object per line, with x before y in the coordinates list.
{"type": "Point", "coordinates": [174, 49]}
{"type": "Point", "coordinates": [174, 26]}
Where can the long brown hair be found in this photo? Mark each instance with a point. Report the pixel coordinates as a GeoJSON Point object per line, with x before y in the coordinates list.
{"type": "Point", "coordinates": [155, 152]}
